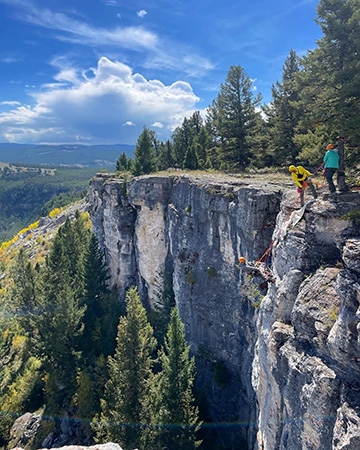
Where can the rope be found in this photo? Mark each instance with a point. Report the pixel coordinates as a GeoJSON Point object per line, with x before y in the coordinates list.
{"type": "Point", "coordinates": [317, 170]}
{"type": "Point", "coordinates": [277, 234]}
{"type": "Point", "coordinates": [288, 216]}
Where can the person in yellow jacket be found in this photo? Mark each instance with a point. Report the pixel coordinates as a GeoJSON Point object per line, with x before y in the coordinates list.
{"type": "Point", "coordinates": [301, 178]}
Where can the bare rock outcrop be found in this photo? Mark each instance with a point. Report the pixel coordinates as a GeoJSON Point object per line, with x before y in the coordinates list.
{"type": "Point", "coordinates": [307, 382]}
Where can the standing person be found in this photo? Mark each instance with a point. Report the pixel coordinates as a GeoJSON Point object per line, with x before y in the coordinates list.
{"type": "Point", "coordinates": [301, 178]}
{"type": "Point", "coordinates": [331, 159]}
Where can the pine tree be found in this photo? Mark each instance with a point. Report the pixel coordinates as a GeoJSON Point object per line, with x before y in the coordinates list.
{"type": "Point", "coordinates": [58, 328]}
{"type": "Point", "coordinates": [191, 159]}
{"type": "Point", "coordinates": [129, 370]}
{"type": "Point", "coordinates": [98, 302]}
{"type": "Point", "coordinates": [26, 293]}
{"type": "Point", "coordinates": [201, 146]}
{"type": "Point", "coordinates": [122, 163]}
{"type": "Point", "coordinates": [98, 338]}
{"type": "Point", "coordinates": [173, 417]}
{"type": "Point", "coordinates": [262, 146]}
{"type": "Point", "coordinates": [196, 122]}
{"type": "Point", "coordinates": [212, 128]}
{"type": "Point", "coordinates": [65, 262]}
{"type": "Point", "coordinates": [235, 118]}
{"type": "Point", "coordinates": [144, 153]}
{"type": "Point", "coordinates": [164, 302]}
{"type": "Point", "coordinates": [182, 139]}
{"type": "Point", "coordinates": [165, 156]}
{"type": "Point", "coordinates": [59, 316]}
{"type": "Point", "coordinates": [283, 114]}
{"type": "Point", "coordinates": [85, 395]}
{"type": "Point", "coordinates": [330, 81]}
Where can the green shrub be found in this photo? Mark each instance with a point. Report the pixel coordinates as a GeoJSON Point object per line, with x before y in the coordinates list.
{"type": "Point", "coordinates": [211, 272]}
{"type": "Point", "coordinates": [256, 304]}
{"type": "Point", "coordinates": [211, 191]}
{"type": "Point", "coordinates": [352, 215]}
{"type": "Point", "coordinates": [190, 277]}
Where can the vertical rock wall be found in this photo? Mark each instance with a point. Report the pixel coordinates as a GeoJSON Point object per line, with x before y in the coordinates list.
{"type": "Point", "coordinates": [284, 378]}
{"type": "Point", "coordinates": [196, 228]}
{"type": "Point", "coordinates": [307, 364]}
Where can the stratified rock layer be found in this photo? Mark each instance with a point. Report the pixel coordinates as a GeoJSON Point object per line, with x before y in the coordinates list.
{"type": "Point", "coordinates": [285, 376]}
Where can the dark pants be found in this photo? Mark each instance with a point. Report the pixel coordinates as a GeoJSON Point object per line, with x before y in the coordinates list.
{"type": "Point", "coordinates": [329, 173]}
{"type": "Point", "coordinates": [302, 191]}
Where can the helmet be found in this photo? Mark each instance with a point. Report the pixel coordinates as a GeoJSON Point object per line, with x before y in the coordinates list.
{"type": "Point", "coordinates": [242, 260]}
{"type": "Point", "coordinates": [292, 168]}
{"type": "Point", "coordinates": [329, 147]}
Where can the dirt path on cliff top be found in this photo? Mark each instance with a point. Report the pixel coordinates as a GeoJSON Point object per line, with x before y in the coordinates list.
{"type": "Point", "coordinates": [267, 179]}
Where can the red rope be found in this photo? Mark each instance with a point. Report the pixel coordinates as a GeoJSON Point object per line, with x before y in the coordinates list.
{"type": "Point", "coordinates": [291, 211]}
{"type": "Point", "coordinates": [277, 234]}
{"type": "Point", "coordinates": [317, 170]}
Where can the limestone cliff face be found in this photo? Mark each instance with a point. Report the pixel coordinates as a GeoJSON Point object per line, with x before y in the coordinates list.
{"type": "Point", "coordinates": [306, 372]}
{"type": "Point", "coordinates": [285, 375]}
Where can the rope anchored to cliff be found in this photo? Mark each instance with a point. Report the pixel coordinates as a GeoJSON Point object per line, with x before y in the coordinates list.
{"type": "Point", "coordinates": [263, 264]}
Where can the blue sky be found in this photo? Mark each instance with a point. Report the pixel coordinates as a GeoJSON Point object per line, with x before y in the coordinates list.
{"type": "Point", "coordinates": [97, 71]}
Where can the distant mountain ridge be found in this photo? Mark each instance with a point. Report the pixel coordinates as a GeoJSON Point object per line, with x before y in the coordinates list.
{"type": "Point", "coordinates": [66, 154]}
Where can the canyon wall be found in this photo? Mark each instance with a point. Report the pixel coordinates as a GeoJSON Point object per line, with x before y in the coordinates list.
{"type": "Point", "coordinates": [279, 376]}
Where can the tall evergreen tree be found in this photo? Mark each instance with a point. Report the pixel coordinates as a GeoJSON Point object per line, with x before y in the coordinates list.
{"type": "Point", "coordinates": [58, 328]}
{"type": "Point", "coordinates": [59, 317]}
{"type": "Point", "coordinates": [100, 315]}
{"type": "Point", "coordinates": [65, 261]}
{"type": "Point", "coordinates": [236, 118]}
{"type": "Point", "coordinates": [165, 156]}
{"type": "Point", "coordinates": [283, 114]}
{"type": "Point", "coordinates": [122, 163]}
{"type": "Point", "coordinates": [191, 159]}
{"type": "Point", "coordinates": [196, 122]}
{"type": "Point", "coordinates": [212, 127]}
{"type": "Point", "coordinates": [26, 293]}
{"type": "Point", "coordinates": [164, 302]}
{"type": "Point", "coordinates": [330, 81]}
{"type": "Point", "coordinates": [144, 153]}
{"type": "Point", "coordinates": [201, 145]}
{"type": "Point", "coordinates": [172, 413]}
{"type": "Point", "coordinates": [182, 139]}
{"type": "Point", "coordinates": [129, 369]}
{"type": "Point", "coordinates": [262, 146]}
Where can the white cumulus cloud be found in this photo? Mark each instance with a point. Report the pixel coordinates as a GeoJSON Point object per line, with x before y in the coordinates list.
{"type": "Point", "coordinates": [157, 125]}
{"type": "Point", "coordinates": [142, 13]}
{"type": "Point", "coordinates": [98, 107]}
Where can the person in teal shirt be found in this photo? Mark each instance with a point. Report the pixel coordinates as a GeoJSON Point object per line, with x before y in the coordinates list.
{"type": "Point", "coordinates": [331, 159]}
